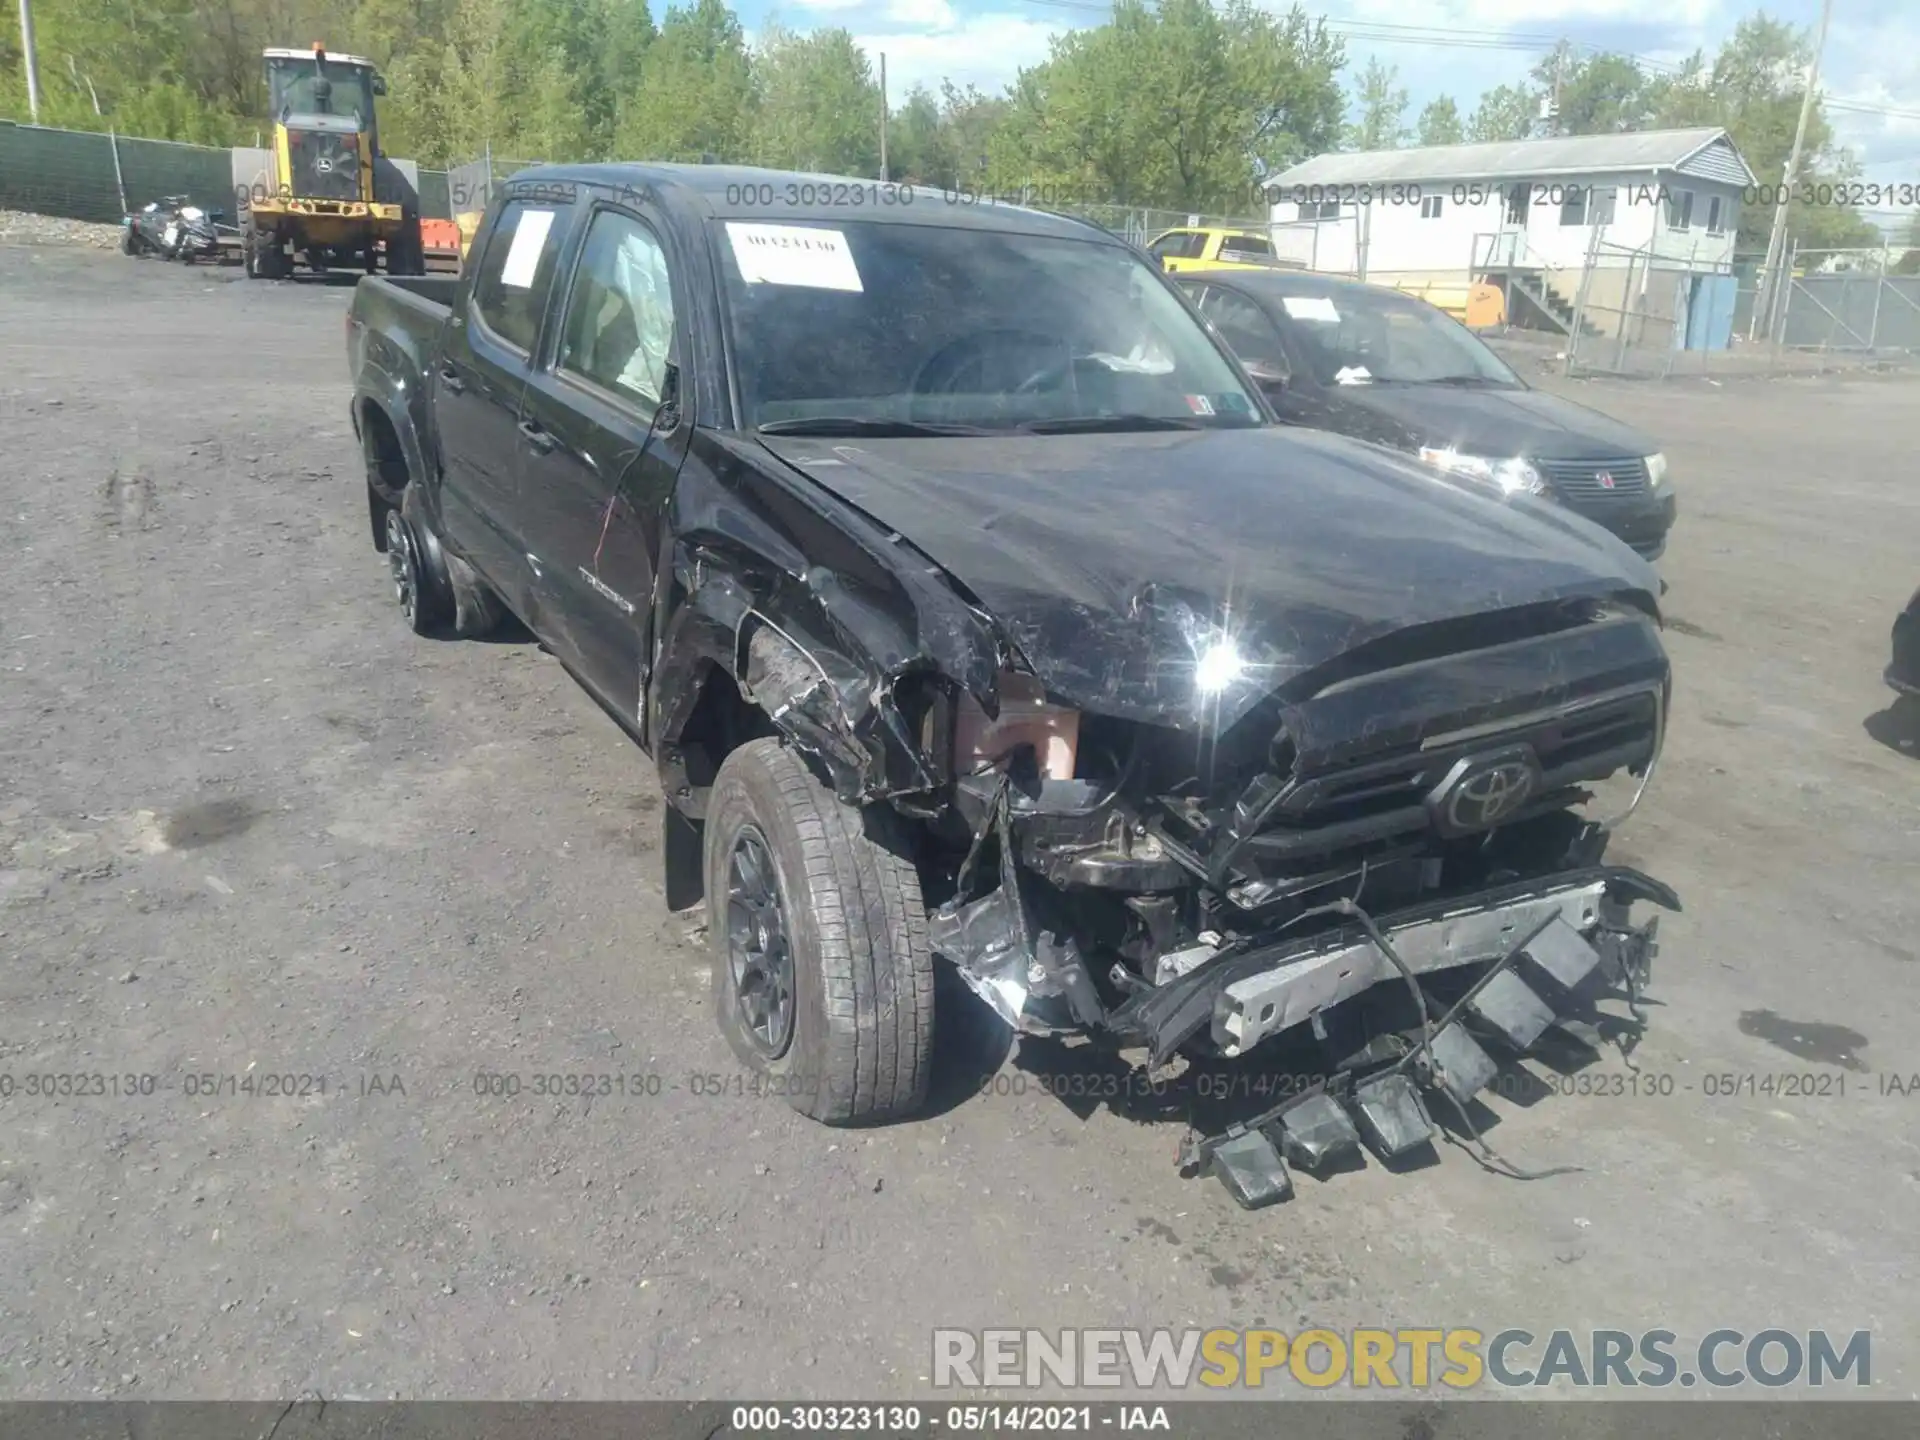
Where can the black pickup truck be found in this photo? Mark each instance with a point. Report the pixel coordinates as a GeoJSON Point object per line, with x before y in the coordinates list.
{"type": "Point", "coordinates": [975, 609]}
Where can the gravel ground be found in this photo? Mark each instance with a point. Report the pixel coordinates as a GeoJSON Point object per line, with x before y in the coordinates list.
{"type": "Point", "coordinates": [249, 827]}
{"type": "Point", "coordinates": [21, 227]}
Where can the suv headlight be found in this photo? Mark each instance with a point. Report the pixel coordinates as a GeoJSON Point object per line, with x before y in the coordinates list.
{"type": "Point", "coordinates": [1513, 475]}
{"type": "Point", "coordinates": [1656, 471]}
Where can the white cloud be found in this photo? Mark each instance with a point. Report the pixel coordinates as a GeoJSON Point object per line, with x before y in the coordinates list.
{"type": "Point", "coordinates": [986, 50]}
{"type": "Point", "coordinates": [928, 14]}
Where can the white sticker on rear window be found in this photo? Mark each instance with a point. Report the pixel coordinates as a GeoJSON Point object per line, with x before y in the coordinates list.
{"type": "Point", "coordinates": [1311, 307]}
{"type": "Point", "coordinates": [793, 255]}
{"type": "Point", "coordinates": [529, 238]}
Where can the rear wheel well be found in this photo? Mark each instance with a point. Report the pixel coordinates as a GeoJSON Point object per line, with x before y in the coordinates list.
{"type": "Point", "coordinates": [387, 473]}
{"type": "Point", "coordinates": [386, 459]}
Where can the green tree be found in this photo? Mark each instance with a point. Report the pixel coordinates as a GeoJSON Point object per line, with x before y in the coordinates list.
{"type": "Point", "coordinates": [1380, 110]}
{"type": "Point", "coordinates": [1598, 94]}
{"type": "Point", "coordinates": [1440, 123]}
{"type": "Point", "coordinates": [1909, 263]}
{"type": "Point", "coordinates": [695, 92]}
{"type": "Point", "coordinates": [972, 129]}
{"type": "Point", "coordinates": [1753, 89]}
{"type": "Point", "coordinates": [917, 145]}
{"type": "Point", "coordinates": [1231, 83]}
{"type": "Point", "coordinates": [1506, 112]}
{"type": "Point", "coordinates": [819, 105]}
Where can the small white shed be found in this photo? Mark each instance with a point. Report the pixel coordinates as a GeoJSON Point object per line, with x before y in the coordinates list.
{"type": "Point", "coordinates": [1455, 213]}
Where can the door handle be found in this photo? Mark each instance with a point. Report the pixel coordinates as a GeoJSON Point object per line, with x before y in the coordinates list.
{"type": "Point", "coordinates": [450, 378]}
{"type": "Point", "coordinates": [535, 436]}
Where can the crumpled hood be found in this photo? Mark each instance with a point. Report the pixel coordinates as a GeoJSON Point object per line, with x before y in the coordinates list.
{"type": "Point", "coordinates": [1116, 562]}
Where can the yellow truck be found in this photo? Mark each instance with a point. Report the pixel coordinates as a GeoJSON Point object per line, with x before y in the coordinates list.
{"type": "Point", "coordinates": [1213, 247]}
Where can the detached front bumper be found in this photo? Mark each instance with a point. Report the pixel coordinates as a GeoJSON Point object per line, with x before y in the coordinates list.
{"type": "Point", "coordinates": [1542, 949]}
{"type": "Point", "coordinates": [1256, 989]}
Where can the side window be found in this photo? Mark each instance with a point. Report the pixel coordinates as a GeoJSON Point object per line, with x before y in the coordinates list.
{"type": "Point", "coordinates": [1245, 245]}
{"type": "Point", "coordinates": [510, 287]}
{"type": "Point", "coordinates": [1601, 209]}
{"type": "Point", "coordinates": [619, 326]}
{"type": "Point", "coordinates": [1247, 331]}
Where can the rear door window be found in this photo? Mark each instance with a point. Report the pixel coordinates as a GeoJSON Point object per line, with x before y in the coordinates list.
{"type": "Point", "coordinates": [516, 272]}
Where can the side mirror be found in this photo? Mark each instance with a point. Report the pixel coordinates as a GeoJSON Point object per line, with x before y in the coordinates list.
{"type": "Point", "coordinates": [379, 85]}
{"type": "Point", "coordinates": [1267, 376]}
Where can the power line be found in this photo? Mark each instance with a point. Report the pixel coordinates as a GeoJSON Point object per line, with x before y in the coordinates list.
{"type": "Point", "coordinates": [1453, 37]}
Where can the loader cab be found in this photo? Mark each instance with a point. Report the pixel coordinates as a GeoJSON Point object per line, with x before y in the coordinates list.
{"type": "Point", "coordinates": [325, 132]}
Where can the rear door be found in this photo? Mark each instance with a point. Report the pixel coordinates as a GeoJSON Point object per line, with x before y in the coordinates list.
{"type": "Point", "coordinates": [604, 429]}
{"type": "Point", "coordinates": [478, 381]}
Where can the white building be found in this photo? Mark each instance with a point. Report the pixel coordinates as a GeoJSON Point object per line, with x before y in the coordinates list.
{"type": "Point", "coordinates": [1533, 215]}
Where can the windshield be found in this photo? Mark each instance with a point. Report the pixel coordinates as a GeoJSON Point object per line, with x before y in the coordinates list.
{"type": "Point", "coordinates": [980, 330]}
{"type": "Point", "coordinates": [1359, 336]}
{"type": "Point", "coordinates": [309, 87]}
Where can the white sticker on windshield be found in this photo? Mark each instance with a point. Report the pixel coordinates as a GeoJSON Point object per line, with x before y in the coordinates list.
{"type": "Point", "coordinates": [529, 237]}
{"type": "Point", "coordinates": [1311, 307]}
{"type": "Point", "coordinates": [1352, 375]}
{"type": "Point", "coordinates": [793, 255]}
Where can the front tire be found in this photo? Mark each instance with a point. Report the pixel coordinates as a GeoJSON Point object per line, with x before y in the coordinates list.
{"type": "Point", "coordinates": [823, 977]}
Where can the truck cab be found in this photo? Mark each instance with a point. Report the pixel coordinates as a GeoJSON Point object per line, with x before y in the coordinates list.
{"type": "Point", "coordinates": [1209, 247]}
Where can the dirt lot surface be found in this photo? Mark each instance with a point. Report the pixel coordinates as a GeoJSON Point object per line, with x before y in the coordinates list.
{"type": "Point", "coordinates": [250, 827]}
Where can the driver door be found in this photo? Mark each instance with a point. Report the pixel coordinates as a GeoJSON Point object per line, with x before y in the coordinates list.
{"type": "Point", "coordinates": [604, 428]}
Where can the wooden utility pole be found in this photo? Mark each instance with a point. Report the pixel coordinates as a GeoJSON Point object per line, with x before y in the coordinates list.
{"type": "Point", "coordinates": [33, 66]}
{"type": "Point", "coordinates": [883, 117]}
{"type": "Point", "coordinates": [1776, 240]}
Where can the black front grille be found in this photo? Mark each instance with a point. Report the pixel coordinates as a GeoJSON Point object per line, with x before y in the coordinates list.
{"type": "Point", "coordinates": [1596, 482]}
{"type": "Point", "coordinates": [1384, 798]}
{"type": "Point", "coordinates": [326, 166]}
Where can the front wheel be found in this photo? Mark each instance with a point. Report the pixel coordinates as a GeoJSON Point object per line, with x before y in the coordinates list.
{"type": "Point", "coordinates": [823, 977]}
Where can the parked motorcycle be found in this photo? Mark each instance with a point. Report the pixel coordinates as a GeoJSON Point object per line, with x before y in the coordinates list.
{"type": "Point", "coordinates": [174, 228]}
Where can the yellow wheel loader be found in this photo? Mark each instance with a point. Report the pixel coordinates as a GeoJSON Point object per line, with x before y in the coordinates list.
{"type": "Point", "coordinates": [317, 197]}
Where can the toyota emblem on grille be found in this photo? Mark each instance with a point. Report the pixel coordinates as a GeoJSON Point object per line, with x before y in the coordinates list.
{"type": "Point", "coordinates": [1489, 795]}
{"type": "Point", "coordinates": [1605, 477]}
{"type": "Point", "coordinates": [1480, 791]}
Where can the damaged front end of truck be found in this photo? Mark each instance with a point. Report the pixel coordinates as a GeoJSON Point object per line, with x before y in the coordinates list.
{"type": "Point", "coordinates": [1401, 853]}
{"type": "Point", "coordinates": [1187, 828]}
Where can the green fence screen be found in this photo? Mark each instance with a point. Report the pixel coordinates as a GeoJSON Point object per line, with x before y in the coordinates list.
{"type": "Point", "coordinates": [70, 173]}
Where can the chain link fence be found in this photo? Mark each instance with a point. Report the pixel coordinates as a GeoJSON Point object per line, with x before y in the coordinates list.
{"type": "Point", "coordinates": [1635, 311]}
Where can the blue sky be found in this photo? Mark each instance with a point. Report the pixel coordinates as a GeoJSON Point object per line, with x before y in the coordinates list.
{"type": "Point", "coordinates": [1872, 56]}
